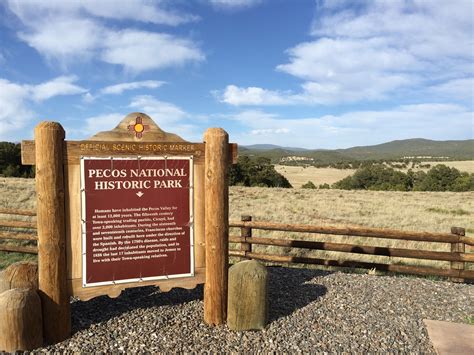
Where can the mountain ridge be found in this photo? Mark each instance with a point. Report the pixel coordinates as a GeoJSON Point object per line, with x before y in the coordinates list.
{"type": "Point", "coordinates": [393, 150]}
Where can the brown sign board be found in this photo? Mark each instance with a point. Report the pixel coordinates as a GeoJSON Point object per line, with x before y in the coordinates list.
{"type": "Point", "coordinates": [137, 219]}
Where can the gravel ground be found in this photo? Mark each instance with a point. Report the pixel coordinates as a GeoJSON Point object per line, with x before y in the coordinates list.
{"type": "Point", "coordinates": [310, 311]}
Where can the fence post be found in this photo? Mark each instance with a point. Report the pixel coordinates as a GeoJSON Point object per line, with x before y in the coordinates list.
{"type": "Point", "coordinates": [246, 232]}
{"type": "Point", "coordinates": [52, 273]}
{"type": "Point", "coordinates": [216, 216]}
{"type": "Point", "coordinates": [457, 248]}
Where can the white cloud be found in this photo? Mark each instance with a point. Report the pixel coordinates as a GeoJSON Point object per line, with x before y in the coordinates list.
{"type": "Point", "coordinates": [14, 113]}
{"type": "Point", "coordinates": [165, 114]}
{"type": "Point", "coordinates": [269, 131]}
{"type": "Point", "coordinates": [135, 10]}
{"type": "Point", "coordinates": [105, 122]}
{"type": "Point", "coordinates": [16, 99]}
{"type": "Point", "coordinates": [62, 85]}
{"type": "Point", "coordinates": [71, 31]}
{"type": "Point", "coordinates": [157, 50]}
{"type": "Point", "coordinates": [374, 50]}
{"type": "Point", "coordinates": [234, 4]}
{"type": "Point", "coordinates": [234, 95]}
{"type": "Point", "coordinates": [64, 39]}
{"type": "Point", "coordinates": [457, 89]}
{"type": "Point", "coordinates": [120, 88]}
{"type": "Point", "coordinates": [88, 98]}
{"type": "Point", "coordinates": [431, 121]}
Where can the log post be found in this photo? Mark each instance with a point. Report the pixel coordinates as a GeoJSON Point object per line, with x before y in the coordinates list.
{"type": "Point", "coordinates": [22, 274]}
{"type": "Point", "coordinates": [248, 296]}
{"type": "Point", "coordinates": [246, 232]}
{"type": "Point", "coordinates": [457, 248]}
{"type": "Point", "coordinates": [216, 225]}
{"type": "Point", "coordinates": [20, 320]}
{"type": "Point", "coordinates": [49, 139]}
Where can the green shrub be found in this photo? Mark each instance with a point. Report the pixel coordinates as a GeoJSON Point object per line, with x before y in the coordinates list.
{"type": "Point", "coordinates": [308, 185]}
{"type": "Point", "coordinates": [379, 177]}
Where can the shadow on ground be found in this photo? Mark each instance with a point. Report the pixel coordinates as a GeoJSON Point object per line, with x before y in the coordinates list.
{"type": "Point", "coordinates": [103, 308]}
{"type": "Point", "coordinates": [297, 292]}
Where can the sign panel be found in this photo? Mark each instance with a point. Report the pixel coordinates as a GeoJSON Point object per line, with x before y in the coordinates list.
{"type": "Point", "coordinates": [137, 219]}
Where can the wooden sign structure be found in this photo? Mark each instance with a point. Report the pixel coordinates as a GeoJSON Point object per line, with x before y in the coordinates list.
{"type": "Point", "coordinates": [130, 207]}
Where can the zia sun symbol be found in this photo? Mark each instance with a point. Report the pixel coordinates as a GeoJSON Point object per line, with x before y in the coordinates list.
{"type": "Point", "coordinates": [138, 127]}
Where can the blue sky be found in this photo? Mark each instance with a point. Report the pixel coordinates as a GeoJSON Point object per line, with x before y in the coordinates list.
{"type": "Point", "coordinates": [313, 74]}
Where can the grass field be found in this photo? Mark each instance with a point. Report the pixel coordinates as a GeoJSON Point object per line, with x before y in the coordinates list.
{"type": "Point", "coordinates": [298, 175]}
{"type": "Point", "coordinates": [417, 211]}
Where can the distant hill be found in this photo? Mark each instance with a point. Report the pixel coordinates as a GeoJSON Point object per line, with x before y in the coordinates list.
{"type": "Point", "coordinates": [273, 146]}
{"type": "Point", "coordinates": [418, 148]}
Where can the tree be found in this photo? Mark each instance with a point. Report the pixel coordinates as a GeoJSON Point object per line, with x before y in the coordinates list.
{"type": "Point", "coordinates": [444, 178]}
{"type": "Point", "coordinates": [375, 177]}
{"type": "Point", "coordinates": [10, 161]}
{"type": "Point", "coordinates": [256, 172]}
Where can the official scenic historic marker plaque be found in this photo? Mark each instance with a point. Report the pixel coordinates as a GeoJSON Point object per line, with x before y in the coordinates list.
{"type": "Point", "coordinates": [137, 219]}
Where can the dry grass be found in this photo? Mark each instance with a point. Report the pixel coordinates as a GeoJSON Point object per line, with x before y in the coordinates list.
{"type": "Point", "coordinates": [298, 175]}
{"type": "Point", "coordinates": [467, 165]}
{"type": "Point", "coordinates": [20, 194]}
{"type": "Point", "coordinates": [417, 211]}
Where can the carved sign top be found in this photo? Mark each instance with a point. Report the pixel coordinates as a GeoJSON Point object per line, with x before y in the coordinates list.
{"type": "Point", "coordinates": [137, 127]}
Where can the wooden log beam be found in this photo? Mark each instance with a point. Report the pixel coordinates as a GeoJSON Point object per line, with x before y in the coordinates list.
{"type": "Point", "coordinates": [17, 212]}
{"type": "Point", "coordinates": [405, 269]}
{"type": "Point", "coordinates": [49, 137]}
{"type": "Point", "coordinates": [18, 224]}
{"type": "Point", "coordinates": [18, 249]}
{"type": "Point", "coordinates": [357, 249]}
{"type": "Point", "coordinates": [357, 231]}
{"type": "Point", "coordinates": [73, 150]}
{"type": "Point", "coordinates": [18, 236]}
{"type": "Point", "coordinates": [216, 225]}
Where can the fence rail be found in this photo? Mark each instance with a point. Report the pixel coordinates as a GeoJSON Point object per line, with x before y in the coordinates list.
{"type": "Point", "coordinates": [457, 239]}
{"type": "Point", "coordinates": [18, 231]}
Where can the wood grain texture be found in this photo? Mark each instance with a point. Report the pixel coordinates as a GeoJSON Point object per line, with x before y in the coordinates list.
{"type": "Point", "coordinates": [20, 320]}
{"type": "Point", "coordinates": [15, 211]}
{"type": "Point", "coordinates": [217, 225]}
{"type": "Point", "coordinates": [151, 133]}
{"type": "Point", "coordinates": [248, 296]}
{"type": "Point", "coordinates": [18, 224]}
{"type": "Point", "coordinates": [358, 231]}
{"type": "Point", "coordinates": [87, 293]}
{"type": "Point", "coordinates": [357, 249]}
{"type": "Point", "coordinates": [245, 232]}
{"type": "Point", "coordinates": [405, 269]}
{"type": "Point", "coordinates": [18, 236]}
{"type": "Point", "coordinates": [458, 249]}
{"type": "Point", "coordinates": [22, 274]}
{"type": "Point", "coordinates": [73, 150]}
{"type": "Point", "coordinates": [18, 249]}
{"type": "Point", "coordinates": [52, 270]}
{"type": "Point", "coordinates": [199, 208]}
{"type": "Point", "coordinates": [73, 221]}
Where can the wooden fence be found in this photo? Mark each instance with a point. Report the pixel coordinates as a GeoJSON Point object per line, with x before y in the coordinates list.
{"type": "Point", "coordinates": [457, 239]}
{"type": "Point", "coordinates": [457, 257]}
{"type": "Point", "coordinates": [15, 230]}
